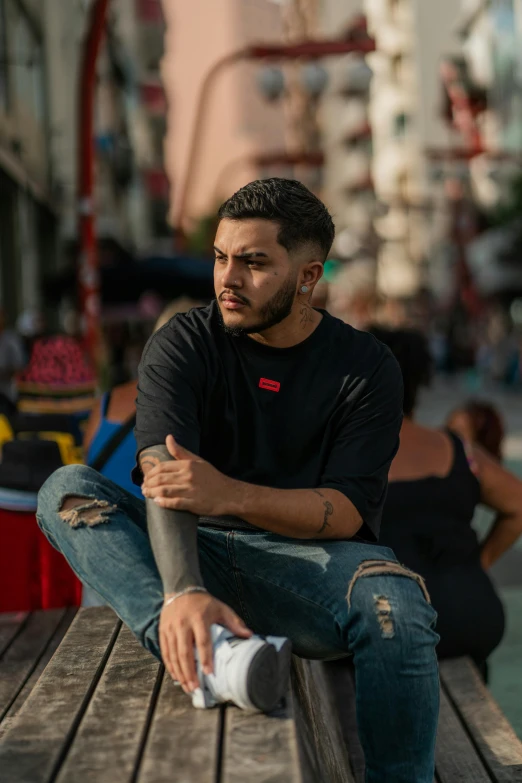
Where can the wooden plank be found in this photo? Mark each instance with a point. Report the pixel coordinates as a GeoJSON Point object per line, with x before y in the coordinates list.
{"type": "Point", "coordinates": [323, 753]}
{"type": "Point", "coordinates": [22, 656]}
{"type": "Point", "coordinates": [107, 744]}
{"type": "Point", "coordinates": [33, 748]}
{"type": "Point", "coordinates": [260, 748]}
{"type": "Point", "coordinates": [456, 759]}
{"type": "Point", "coordinates": [46, 656]}
{"type": "Point", "coordinates": [10, 624]}
{"type": "Point", "coordinates": [495, 740]}
{"type": "Point", "coordinates": [182, 743]}
{"type": "Point", "coordinates": [339, 676]}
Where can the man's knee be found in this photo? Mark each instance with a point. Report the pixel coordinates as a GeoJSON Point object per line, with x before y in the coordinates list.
{"type": "Point", "coordinates": [391, 600]}
{"type": "Point", "coordinates": [74, 493]}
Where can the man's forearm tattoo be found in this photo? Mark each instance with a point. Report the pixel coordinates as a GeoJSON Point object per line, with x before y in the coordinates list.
{"type": "Point", "coordinates": [328, 511]}
{"type": "Point", "coordinates": [173, 535]}
{"type": "Point", "coordinates": [153, 456]}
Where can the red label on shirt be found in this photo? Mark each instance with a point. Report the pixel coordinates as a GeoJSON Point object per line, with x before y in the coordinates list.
{"type": "Point", "coordinates": [265, 383]}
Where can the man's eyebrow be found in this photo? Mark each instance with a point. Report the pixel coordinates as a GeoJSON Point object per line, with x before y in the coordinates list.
{"type": "Point", "coordinates": [254, 254]}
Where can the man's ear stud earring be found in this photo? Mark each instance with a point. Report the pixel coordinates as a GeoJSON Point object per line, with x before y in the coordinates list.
{"type": "Point", "coordinates": [304, 289]}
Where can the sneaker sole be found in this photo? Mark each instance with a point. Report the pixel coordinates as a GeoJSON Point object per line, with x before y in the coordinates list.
{"type": "Point", "coordinates": [268, 676]}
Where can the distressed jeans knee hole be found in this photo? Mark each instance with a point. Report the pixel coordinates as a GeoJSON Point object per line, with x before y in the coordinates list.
{"type": "Point", "coordinates": [385, 568]}
{"type": "Point", "coordinates": [383, 611]}
{"type": "Point", "coordinates": [77, 510]}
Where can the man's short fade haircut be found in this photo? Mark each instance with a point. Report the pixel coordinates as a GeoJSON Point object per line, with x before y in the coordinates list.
{"type": "Point", "coordinates": [301, 216]}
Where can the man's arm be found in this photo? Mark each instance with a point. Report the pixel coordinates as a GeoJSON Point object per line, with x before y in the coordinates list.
{"type": "Point", "coordinates": [173, 535]}
{"type": "Point", "coordinates": [184, 622]}
{"type": "Point", "coordinates": [297, 513]}
{"type": "Point", "coordinates": [185, 482]}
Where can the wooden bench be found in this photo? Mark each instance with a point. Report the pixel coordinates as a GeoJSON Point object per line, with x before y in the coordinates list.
{"type": "Point", "coordinates": [82, 702]}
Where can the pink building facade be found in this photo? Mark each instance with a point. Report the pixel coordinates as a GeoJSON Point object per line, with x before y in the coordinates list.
{"type": "Point", "coordinates": [239, 123]}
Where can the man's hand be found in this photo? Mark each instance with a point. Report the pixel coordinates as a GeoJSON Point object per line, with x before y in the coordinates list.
{"type": "Point", "coordinates": [186, 622]}
{"type": "Point", "coordinates": [188, 483]}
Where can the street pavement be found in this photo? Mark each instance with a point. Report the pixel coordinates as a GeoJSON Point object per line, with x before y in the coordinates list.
{"type": "Point", "coordinates": [505, 663]}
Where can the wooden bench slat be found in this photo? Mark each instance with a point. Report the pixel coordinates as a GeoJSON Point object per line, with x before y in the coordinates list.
{"type": "Point", "coordinates": [32, 749]}
{"type": "Point", "coordinates": [492, 735]}
{"type": "Point", "coordinates": [321, 745]}
{"type": "Point", "coordinates": [46, 656]}
{"type": "Point", "coordinates": [339, 677]}
{"type": "Point", "coordinates": [182, 743]}
{"type": "Point", "coordinates": [107, 743]}
{"type": "Point", "coordinates": [10, 625]}
{"type": "Point", "coordinates": [23, 654]}
{"type": "Point", "coordinates": [456, 759]}
{"type": "Point", "coordinates": [260, 748]}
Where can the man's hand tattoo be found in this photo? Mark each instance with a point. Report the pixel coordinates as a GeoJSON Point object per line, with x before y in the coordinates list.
{"type": "Point", "coordinates": [328, 511]}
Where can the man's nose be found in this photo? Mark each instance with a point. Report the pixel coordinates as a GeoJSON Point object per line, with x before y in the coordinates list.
{"type": "Point", "coordinates": [231, 276]}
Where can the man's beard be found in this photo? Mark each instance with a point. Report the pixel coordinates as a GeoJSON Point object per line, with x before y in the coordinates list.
{"type": "Point", "coordinates": [272, 313]}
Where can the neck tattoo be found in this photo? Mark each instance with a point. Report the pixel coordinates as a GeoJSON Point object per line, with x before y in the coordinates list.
{"type": "Point", "coordinates": [307, 314]}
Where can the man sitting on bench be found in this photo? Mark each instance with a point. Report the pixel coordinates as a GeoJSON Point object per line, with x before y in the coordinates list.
{"type": "Point", "coordinates": [265, 431]}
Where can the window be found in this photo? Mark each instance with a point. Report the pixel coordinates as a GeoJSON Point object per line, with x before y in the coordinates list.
{"type": "Point", "coordinates": [29, 74]}
{"type": "Point", "coordinates": [396, 67]}
{"type": "Point", "coordinates": [401, 124]}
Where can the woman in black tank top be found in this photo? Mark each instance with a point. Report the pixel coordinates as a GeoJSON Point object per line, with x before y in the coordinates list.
{"type": "Point", "coordinates": [427, 516]}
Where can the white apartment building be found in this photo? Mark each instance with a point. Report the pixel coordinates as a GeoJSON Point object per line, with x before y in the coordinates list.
{"type": "Point", "coordinates": [490, 32]}
{"type": "Point", "coordinates": [397, 218]}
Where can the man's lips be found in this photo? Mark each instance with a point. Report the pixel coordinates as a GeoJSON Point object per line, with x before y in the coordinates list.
{"type": "Point", "coordinates": [231, 303]}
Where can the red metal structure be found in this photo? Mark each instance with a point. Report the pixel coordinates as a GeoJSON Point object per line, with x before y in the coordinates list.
{"type": "Point", "coordinates": [88, 271]}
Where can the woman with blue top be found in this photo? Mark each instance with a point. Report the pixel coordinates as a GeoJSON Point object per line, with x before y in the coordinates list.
{"type": "Point", "coordinates": [114, 411]}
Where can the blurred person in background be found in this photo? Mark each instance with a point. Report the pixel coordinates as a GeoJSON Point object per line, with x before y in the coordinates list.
{"type": "Point", "coordinates": [12, 360]}
{"type": "Point", "coordinates": [479, 422]}
{"type": "Point", "coordinates": [109, 443]}
{"type": "Point", "coordinates": [436, 482]}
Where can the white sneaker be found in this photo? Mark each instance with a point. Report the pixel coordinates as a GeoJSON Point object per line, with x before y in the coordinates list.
{"type": "Point", "coordinates": [252, 673]}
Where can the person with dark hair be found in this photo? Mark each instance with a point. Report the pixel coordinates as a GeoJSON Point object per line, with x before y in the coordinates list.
{"type": "Point", "coordinates": [265, 431]}
{"type": "Point", "coordinates": [479, 421]}
{"type": "Point", "coordinates": [436, 481]}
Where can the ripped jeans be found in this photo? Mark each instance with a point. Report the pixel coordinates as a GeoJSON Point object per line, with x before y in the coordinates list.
{"type": "Point", "coordinates": [331, 598]}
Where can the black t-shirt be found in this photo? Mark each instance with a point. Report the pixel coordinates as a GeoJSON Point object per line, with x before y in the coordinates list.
{"type": "Point", "coordinates": [323, 413]}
